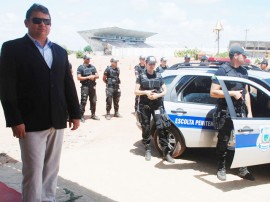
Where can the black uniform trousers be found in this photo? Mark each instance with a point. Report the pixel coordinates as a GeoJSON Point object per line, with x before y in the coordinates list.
{"type": "Point", "coordinates": [113, 94]}
{"type": "Point", "coordinates": [224, 134]}
{"type": "Point", "coordinates": [223, 139]}
{"type": "Point", "coordinates": [145, 113]}
{"type": "Point", "coordinates": [88, 91]}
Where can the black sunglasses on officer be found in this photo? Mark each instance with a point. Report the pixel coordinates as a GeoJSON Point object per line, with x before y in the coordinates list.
{"type": "Point", "coordinates": [38, 21]}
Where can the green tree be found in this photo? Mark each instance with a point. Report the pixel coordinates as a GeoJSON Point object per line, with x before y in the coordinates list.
{"type": "Point", "coordinates": [87, 49]}
{"type": "Point", "coordinates": [192, 52]}
{"type": "Point", "coordinates": [79, 54]}
{"type": "Point", "coordinates": [222, 55]}
{"type": "Point", "coordinates": [68, 51]}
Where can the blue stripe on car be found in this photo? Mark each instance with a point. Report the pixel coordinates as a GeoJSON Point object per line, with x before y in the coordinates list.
{"type": "Point", "coordinates": [192, 122]}
{"type": "Point", "coordinates": [243, 141]}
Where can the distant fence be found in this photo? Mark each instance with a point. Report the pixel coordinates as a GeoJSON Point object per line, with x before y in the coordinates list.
{"type": "Point", "coordinates": [121, 52]}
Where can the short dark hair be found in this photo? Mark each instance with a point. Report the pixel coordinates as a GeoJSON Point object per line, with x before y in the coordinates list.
{"type": "Point", "coordinates": [37, 8]}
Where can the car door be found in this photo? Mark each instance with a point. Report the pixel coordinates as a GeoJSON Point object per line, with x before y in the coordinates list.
{"type": "Point", "coordinates": [251, 136]}
{"type": "Point", "coordinates": [190, 108]}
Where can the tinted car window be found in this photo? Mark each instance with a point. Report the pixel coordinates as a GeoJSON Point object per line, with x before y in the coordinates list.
{"type": "Point", "coordinates": [167, 80]}
{"type": "Point", "coordinates": [260, 102]}
{"type": "Point", "coordinates": [198, 91]}
{"type": "Point", "coordinates": [265, 83]}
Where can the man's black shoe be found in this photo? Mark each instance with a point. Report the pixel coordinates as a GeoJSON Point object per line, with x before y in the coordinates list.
{"type": "Point", "coordinates": [247, 176]}
{"type": "Point", "coordinates": [169, 158]}
{"type": "Point", "coordinates": [95, 117]}
{"type": "Point", "coordinates": [147, 155]}
{"type": "Point", "coordinates": [108, 116]}
{"type": "Point", "coordinates": [82, 120]}
{"type": "Point", "coordinates": [221, 174]}
{"type": "Point", "coordinates": [116, 114]}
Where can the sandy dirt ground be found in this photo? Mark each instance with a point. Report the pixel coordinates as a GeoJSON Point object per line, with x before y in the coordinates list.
{"type": "Point", "coordinates": [103, 160]}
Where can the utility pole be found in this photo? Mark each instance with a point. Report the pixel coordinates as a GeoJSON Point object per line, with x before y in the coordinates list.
{"type": "Point", "coordinates": [246, 30]}
{"type": "Point", "coordinates": [217, 29]}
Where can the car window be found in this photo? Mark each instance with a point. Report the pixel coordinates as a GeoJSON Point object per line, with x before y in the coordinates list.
{"type": "Point", "coordinates": [260, 101]}
{"type": "Point", "coordinates": [265, 83]}
{"type": "Point", "coordinates": [197, 91]}
{"type": "Point", "coordinates": [168, 79]}
{"type": "Point", "coordinates": [268, 81]}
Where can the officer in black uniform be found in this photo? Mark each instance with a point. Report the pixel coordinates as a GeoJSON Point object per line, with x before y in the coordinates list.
{"type": "Point", "coordinates": [87, 75]}
{"type": "Point", "coordinates": [204, 61]}
{"type": "Point", "coordinates": [163, 65]}
{"type": "Point", "coordinates": [151, 88]}
{"type": "Point", "coordinates": [187, 60]}
{"type": "Point", "coordinates": [139, 68]}
{"type": "Point", "coordinates": [264, 66]}
{"type": "Point", "coordinates": [113, 92]}
{"type": "Point", "coordinates": [241, 101]}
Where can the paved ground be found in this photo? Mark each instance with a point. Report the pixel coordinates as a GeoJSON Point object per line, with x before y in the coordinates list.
{"type": "Point", "coordinates": [103, 160]}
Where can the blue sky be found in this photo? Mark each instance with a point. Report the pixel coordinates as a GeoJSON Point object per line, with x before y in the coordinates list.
{"type": "Point", "coordinates": [188, 23]}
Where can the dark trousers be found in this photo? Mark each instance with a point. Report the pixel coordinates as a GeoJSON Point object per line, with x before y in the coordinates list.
{"type": "Point", "coordinates": [136, 102]}
{"type": "Point", "coordinates": [113, 94]}
{"type": "Point", "coordinates": [223, 138]}
{"type": "Point", "coordinates": [91, 92]}
{"type": "Point", "coordinates": [145, 113]}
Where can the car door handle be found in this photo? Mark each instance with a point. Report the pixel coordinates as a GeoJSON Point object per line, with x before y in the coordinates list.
{"type": "Point", "coordinates": [178, 111]}
{"type": "Point", "coordinates": [245, 130]}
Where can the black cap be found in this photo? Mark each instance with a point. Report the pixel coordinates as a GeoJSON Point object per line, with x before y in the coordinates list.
{"type": "Point", "coordinates": [187, 56]}
{"type": "Point", "coordinates": [87, 56]}
{"type": "Point", "coordinates": [204, 57]}
{"type": "Point", "coordinates": [151, 60]}
{"type": "Point", "coordinates": [163, 59]}
{"type": "Point", "coordinates": [264, 62]}
{"type": "Point", "coordinates": [142, 57]}
{"type": "Point", "coordinates": [237, 50]}
{"type": "Point", "coordinates": [114, 60]}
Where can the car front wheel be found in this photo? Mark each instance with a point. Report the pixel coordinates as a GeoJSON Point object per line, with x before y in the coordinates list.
{"type": "Point", "coordinates": [176, 142]}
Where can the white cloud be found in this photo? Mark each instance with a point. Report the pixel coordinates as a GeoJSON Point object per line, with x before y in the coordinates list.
{"type": "Point", "coordinates": [139, 5]}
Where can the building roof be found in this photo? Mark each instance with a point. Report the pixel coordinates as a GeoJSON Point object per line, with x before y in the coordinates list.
{"type": "Point", "coordinates": [116, 31]}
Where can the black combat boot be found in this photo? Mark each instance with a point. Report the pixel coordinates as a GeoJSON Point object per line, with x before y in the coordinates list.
{"type": "Point", "coordinates": [167, 156]}
{"type": "Point", "coordinates": [221, 173]}
{"type": "Point", "coordinates": [116, 114]}
{"type": "Point", "coordinates": [245, 174]}
{"type": "Point", "coordinates": [95, 117]}
{"type": "Point", "coordinates": [147, 153]}
{"type": "Point", "coordinates": [108, 116]}
{"type": "Point", "coordinates": [82, 118]}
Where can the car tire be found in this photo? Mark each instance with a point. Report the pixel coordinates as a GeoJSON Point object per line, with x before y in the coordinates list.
{"type": "Point", "coordinates": [176, 142]}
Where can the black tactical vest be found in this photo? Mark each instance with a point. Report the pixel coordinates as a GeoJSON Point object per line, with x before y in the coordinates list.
{"type": "Point", "coordinates": [87, 71]}
{"type": "Point", "coordinates": [150, 84]}
{"type": "Point", "coordinates": [113, 77]}
{"type": "Point", "coordinates": [239, 72]}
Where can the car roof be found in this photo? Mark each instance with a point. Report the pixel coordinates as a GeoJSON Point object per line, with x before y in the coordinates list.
{"type": "Point", "coordinates": [200, 70]}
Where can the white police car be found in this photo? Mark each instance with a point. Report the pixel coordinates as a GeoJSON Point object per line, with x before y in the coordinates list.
{"type": "Point", "coordinates": [190, 109]}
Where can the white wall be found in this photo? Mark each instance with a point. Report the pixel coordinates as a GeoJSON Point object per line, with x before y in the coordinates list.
{"type": "Point", "coordinates": [159, 52]}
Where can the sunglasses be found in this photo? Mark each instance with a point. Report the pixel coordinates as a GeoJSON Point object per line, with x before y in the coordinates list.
{"type": "Point", "coordinates": [38, 21]}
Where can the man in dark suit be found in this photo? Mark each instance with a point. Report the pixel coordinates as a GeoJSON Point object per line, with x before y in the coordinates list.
{"type": "Point", "coordinates": [37, 89]}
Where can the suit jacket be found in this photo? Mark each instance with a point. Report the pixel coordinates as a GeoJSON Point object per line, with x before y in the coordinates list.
{"type": "Point", "coordinates": [31, 92]}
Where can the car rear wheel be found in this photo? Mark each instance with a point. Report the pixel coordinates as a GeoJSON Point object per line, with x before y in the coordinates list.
{"type": "Point", "coordinates": [176, 142]}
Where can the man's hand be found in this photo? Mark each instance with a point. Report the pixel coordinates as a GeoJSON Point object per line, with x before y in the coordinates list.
{"type": "Point", "coordinates": [19, 131]}
{"type": "Point", "coordinates": [153, 96]}
{"type": "Point", "coordinates": [91, 77]}
{"type": "Point", "coordinates": [238, 94]}
{"type": "Point", "coordinates": [74, 123]}
{"type": "Point", "coordinates": [249, 115]}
